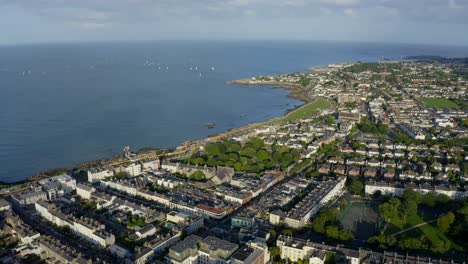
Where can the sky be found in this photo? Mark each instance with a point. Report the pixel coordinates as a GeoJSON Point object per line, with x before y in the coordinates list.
{"type": "Point", "coordinates": [398, 21]}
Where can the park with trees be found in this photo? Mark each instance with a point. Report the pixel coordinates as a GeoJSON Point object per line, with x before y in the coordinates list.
{"type": "Point", "coordinates": [325, 223]}
{"type": "Point", "coordinates": [416, 222]}
{"type": "Point", "coordinates": [252, 157]}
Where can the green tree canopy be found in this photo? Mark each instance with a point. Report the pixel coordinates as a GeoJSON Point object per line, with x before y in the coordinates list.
{"type": "Point", "coordinates": [445, 221]}
{"type": "Point", "coordinates": [356, 187]}
{"type": "Point", "coordinates": [197, 176]}
{"type": "Point", "coordinates": [390, 210]}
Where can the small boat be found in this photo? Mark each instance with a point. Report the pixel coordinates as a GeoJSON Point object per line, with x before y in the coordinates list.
{"type": "Point", "coordinates": [211, 125]}
{"type": "Point", "coordinates": [212, 68]}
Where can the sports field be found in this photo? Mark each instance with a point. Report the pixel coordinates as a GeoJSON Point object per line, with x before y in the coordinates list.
{"type": "Point", "coordinates": [307, 110]}
{"type": "Point", "coordinates": [439, 103]}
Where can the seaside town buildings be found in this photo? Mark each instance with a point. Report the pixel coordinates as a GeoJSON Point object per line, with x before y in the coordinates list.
{"type": "Point", "coordinates": [318, 197]}
{"type": "Point", "coordinates": [379, 129]}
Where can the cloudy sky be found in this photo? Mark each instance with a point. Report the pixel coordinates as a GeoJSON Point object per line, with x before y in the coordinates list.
{"type": "Point", "coordinates": [406, 21]}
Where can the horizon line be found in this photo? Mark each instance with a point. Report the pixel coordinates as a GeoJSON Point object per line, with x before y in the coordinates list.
{"type": "Point", "coordinates": [61, 42]}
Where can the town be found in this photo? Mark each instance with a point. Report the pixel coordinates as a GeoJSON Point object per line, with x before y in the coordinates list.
{"type": "Point", "coordinates": [372, 169]}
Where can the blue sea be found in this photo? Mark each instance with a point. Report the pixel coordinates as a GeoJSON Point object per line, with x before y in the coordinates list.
{"type": "Point", "coordinates": [62, 104]}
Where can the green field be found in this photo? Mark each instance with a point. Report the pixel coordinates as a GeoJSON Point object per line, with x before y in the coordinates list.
{"type": "Point", "coordinates": [307, 110]}
{"type": "Point", "coordinates": [439, 103]}
{"type": "Point", "coordinates": [431, 231]}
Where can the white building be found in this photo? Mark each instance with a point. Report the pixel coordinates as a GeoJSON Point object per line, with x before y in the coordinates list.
{"type": "Point", "coordinates": [133, 169]}
{"type": "Point", "coordinates": [151, 165]}
{"type": "Point", "coordinates": [84, 191]}
{"type": "Point", "coordinates": [95, 175]}
{"type": "Point", "coordinates": [87, 228]}
{"type": "Point", "coordinates": [323, 193]}
{"type": "Point", "coordinates": [29, 197]}
{"type": "Point", "coordinates": [294, 249]}
{"type": "Point", "coordinates": [194, 250]}
{"type": "Point", "coordinates": [454, 192]}
{"type": "Point", "coordinates": [66, 182]}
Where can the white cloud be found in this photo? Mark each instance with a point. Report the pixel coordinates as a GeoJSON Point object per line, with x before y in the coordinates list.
{"type": "Point", "coordinates": [454, 5]}
{"type": "Point", "coordinates": [90, 25]}
{"type": "Point", "coordinates": [350, 12]}
{"type": "Point", "coordinates": [341, 2]}
{"type": "Point", "coordinates": [325, 11]}
{"type": "Point", "coordinates": [134, 11]}
{"type": "Point", "coordinates": [250, 13]}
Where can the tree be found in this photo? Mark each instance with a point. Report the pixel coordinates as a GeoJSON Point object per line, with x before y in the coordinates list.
{"type": "Point", "coordinates": [248, 152]}
{"type": "Point", "coordinates": [377, 195]}
{"type": "Point", "coordinates": [465, 122]}
{"type": "Point", "coordinates": [197, 176]}
{"type": "Point", "coordinates": [445, 221]}
{"type": "Point", "coordinates": [197, 161]}
{"type": "Point", "coordinates": [263, 155]}
{"type": "Point", "coordinates": [410, 208]}
{"type": "Point", "coordinates": [410, 244]}
{"type": "Point", "coordinates": [325, 216]}
{"type": "Point", "coordinates": [272, 232]}
{"type": "Point", "coordinates": [330, 258]}
{"type": "Point", "coordinates": [233, 157]}
{"type": "Point", "coordinates": [345, 235]}
{"type": "Point", "coordinates": [286, 159]}
{"type": "Point", "coordinates": [275, 253]}
{"type": "Point", "coordinates": [319, 224]}
{"type": "Point", "coordinates": [287, 232]}
{"type": "Point", "coordinates": [429, 200]}
{"type": "Point", "coordinates": [332, 232]}
{"type": "Point", "coordinates": [442, 247]}
{"type": "Point", "coordinates": [215, 149]}
{"type": "Point", "coordinates": [390, 210]}
{"type": "Point", "coordinates": [232, 146]}
{"type": "Point", "coordinates": [256, 143]}
{"type": "Point", "coordinates": [356, 187]}
{"type": "Point", "coordinates": [412, 195]}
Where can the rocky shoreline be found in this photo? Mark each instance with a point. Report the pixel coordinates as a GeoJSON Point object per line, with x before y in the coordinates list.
{"type": "Point", "coordinates": [296, 91]}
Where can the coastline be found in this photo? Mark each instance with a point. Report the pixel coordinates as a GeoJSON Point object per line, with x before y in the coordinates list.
{"type": "Point", "coordinates": [295, 92]}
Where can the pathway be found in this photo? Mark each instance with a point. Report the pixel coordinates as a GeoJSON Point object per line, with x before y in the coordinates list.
{"type": "Point", "coordinates": [413, 227]}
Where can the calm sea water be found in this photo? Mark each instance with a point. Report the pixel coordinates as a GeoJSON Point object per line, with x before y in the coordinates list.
{"type": "Point", "coordinates": [69, 103]}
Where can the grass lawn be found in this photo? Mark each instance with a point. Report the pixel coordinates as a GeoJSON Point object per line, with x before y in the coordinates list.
{"type": "Point", "coordinates": [439, 103]}
{"type": "Point", "coordinates": [307, 110]}
{"type": "Point", "coordinates": [431, 231]}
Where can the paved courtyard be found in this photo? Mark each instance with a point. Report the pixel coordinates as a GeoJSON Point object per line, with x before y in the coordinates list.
{"type": "Point", "coordinates": [361, 219]}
